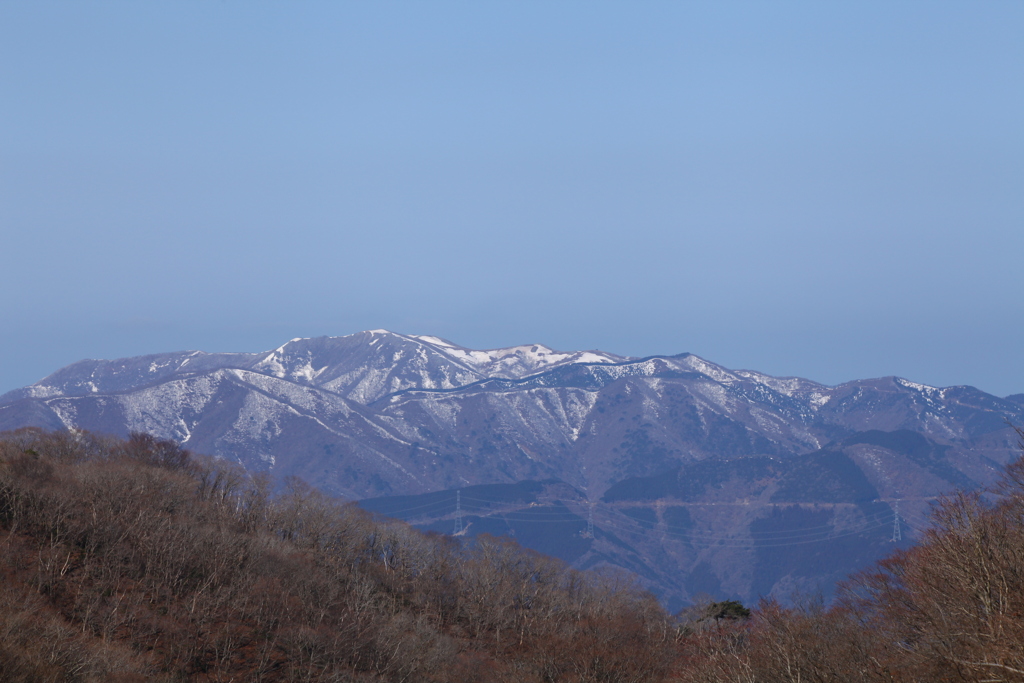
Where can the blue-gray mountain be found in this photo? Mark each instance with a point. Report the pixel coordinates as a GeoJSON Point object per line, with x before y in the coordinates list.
{"type": "Point", "coordinates": [694, 477]}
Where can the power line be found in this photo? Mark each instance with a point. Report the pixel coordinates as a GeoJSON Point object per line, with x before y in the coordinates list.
{"type": "Point", "coordinates": [741, 542]}
{"type": "Point", "coordinates": [614, 519]}
{"type": "Point", "coordinates": [458, 514]}
{"type": "Point", "coordinates": [629, 524]}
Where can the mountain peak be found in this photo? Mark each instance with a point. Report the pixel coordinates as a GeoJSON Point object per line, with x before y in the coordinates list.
{"type": "Point", "coordinates": [380, 413]}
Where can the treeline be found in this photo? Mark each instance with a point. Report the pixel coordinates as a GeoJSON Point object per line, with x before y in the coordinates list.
{"type": "Point", "coordinates": [135, 560]}
{"type": "Point", "coordinates": [949, 609]}
{"type": "Point", "coordinates": [131, 560]}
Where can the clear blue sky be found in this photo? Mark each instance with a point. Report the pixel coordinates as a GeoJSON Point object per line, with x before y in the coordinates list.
{"type": "Point", "coordinates": [826, 189]}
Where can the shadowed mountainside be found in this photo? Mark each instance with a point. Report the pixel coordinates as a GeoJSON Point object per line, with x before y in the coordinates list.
{"type": "Point", "coordinates": [696, 477]}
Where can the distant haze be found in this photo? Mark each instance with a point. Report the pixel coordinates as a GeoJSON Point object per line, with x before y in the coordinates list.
{"type": "Point", "coordinates": [827, 190]}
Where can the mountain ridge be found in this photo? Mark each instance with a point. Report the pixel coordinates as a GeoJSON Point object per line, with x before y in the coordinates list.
{"type": "Point", "coordinates": [379, 414]}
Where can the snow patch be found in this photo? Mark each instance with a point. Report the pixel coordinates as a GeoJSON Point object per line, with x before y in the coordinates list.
{"type": "Point", "coordinates": [923, 388]}
{"type": "Point", "coordinates": [818, 399]}
{"type": "Point", "coordinates": [66, 411]}
{"type": "Point", "coordinates": [715, 372]}
{"type": "Point", "coordinates": [514, 362]}
{"type": "Point", "coordinates": [436, 341]}
{"type": "Point", "coordinates": [271, 365]}
{"type": "Point", "coordinates": [161, 410]}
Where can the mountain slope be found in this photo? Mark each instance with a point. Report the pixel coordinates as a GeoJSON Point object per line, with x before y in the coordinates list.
{"type": "Point", "coordinates": [382, 414]}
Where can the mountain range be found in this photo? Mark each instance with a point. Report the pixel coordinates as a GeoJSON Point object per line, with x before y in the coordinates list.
{"type": "Point", "coordinates": [693, 477]}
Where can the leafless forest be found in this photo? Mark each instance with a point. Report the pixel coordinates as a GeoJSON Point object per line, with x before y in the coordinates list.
{"type": "Point", "coordinates": [131, 560]}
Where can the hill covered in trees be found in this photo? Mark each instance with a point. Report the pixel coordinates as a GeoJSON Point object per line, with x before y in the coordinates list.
{"type": "Point", "coordinates": [125, 560]}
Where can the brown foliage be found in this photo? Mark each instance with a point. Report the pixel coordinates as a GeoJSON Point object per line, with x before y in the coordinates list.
{"type": "Point", "coordinates": [949, 609]}
{"type": "Point", "coordinates": [136, 558]}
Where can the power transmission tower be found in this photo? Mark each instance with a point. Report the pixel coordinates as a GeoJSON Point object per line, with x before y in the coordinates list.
{"type": "Point", "coordinates": [458, 513]}
{"type": "Point", "coordinates": [896, 532]}
{"type": "Point", "coordinates": [590, 522]}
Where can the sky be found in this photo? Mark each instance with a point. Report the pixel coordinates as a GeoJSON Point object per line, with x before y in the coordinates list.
{"type": "Point", "coordinates": [833, 190]}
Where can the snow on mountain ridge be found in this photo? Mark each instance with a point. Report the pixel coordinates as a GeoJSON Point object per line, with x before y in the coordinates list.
{"type": "Point", "coordinates": [515, 362]}
{"type": "Point", "coordinates": [367, 366]}
{"type": "Point", "coordinates": [363, 366]}
{"type": "Point", "coordinates": [788, 386]}
{"type": "Point", "coordinates": [92, 376]}
{"type": "Point", "coordinates": [379, 412]}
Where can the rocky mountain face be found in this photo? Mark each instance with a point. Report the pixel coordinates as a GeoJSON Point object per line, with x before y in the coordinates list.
{"type": "Point", "coordinates": [694, 477]}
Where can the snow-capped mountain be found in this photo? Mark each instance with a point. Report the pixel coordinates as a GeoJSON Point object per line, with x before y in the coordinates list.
{"type": "Point", "coordinates": [430, 414]}
{"type": "Point", "coordinates": [384, 414]}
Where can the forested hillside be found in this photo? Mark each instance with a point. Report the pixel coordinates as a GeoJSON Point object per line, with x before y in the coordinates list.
{"type": "Point", "coordinates": [697, 478]}
{"type": "Point", "coordinates": [132, 560]}
{"type": "Point", "coordinates": [125, 560]}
